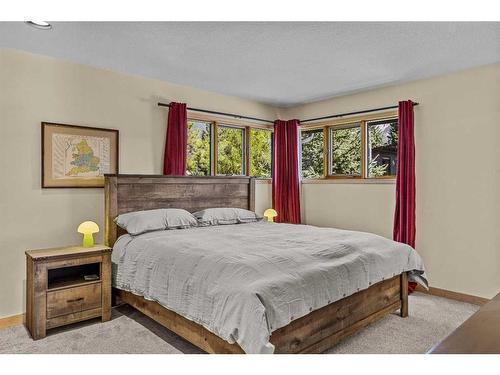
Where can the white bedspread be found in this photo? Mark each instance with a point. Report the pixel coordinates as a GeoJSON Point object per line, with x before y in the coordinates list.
{"type": "Point", "coordinates": [244, 281]}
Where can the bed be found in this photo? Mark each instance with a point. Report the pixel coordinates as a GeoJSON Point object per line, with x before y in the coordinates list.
{"type": "Point", "coordinates": [254, 288]}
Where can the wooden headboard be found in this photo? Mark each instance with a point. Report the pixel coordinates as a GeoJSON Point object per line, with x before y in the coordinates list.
{"type": "Point", "coordinates": [126, 193]}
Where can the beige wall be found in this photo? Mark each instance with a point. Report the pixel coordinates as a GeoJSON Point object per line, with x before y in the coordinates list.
{"type": "Point", "coordinates": [457, 131]}
{"type": "Point", "coordinates": [368, 208]}
{"type": "Point", "coordinates": [35, 89]}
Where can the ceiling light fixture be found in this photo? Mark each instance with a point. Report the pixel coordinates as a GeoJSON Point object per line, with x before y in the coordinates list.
{"type": "Point", "coordinates": [42, 25]}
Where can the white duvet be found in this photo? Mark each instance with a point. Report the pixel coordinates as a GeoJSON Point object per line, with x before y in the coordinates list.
{"type": "Point", "coordinates": [244, 281]}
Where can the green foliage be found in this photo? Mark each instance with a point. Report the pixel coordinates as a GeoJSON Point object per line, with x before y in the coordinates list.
{"type": "Point", "coordinates": [230, 151]}
{"type": "Point", "coordinates": [346, 151]}
{"type": "Point", "coordinates": [312, 142]}
{"type": "Point", "coordinates": [260, 153]}
{"type": "Point", "coordinates": [379, 135]}
{"type": "Point", "coordinates": [198, 160]}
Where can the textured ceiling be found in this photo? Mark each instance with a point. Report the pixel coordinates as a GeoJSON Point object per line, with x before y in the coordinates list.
{"type": "Point", "coordinates": [279, 63]}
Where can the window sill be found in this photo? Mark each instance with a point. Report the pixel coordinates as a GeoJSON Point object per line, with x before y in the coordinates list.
{"type": "Point", "coordinates": [263, 180]}
{"type": "Point", "coordinates": [382, 181]}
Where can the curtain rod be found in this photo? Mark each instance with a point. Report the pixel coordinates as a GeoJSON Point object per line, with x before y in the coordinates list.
{"type": "Point", "coordinates": [220, 113]}
{"type": "Point", "coordinates": [301, 121]}
{"type": "Point", "coordinates": [352, 113]}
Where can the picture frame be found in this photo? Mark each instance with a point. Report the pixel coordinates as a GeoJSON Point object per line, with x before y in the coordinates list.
{"type": "Point", "coordinates": [76, 156]}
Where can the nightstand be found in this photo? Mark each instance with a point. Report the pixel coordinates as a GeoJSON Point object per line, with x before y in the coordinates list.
{"type": "Point", "coordinates": [58, 291]}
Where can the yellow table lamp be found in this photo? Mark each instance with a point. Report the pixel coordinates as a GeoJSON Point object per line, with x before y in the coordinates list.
{"type": "Point", "coordinates": [270, 214]}
{"type": "Point", "coordinates": [88, 228]}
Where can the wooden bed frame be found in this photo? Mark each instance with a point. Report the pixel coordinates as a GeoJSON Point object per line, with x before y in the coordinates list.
{"type": "Point", "coordinates": [314, 333]}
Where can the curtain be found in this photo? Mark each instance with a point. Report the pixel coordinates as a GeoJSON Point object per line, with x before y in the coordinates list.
{"type": "Point", "coordinates": [404, 216]}
{"type": "Point", "coordinates": [286, 184]}
{"type": "Point", "coordinates": [174, 162]}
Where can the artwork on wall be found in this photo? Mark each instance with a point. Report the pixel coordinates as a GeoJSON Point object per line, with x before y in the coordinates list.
{"type": "Point", "coordinates": [77, 156]}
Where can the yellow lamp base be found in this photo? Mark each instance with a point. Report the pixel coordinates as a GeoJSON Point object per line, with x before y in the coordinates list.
{"type": "Point", "coordinates": [88, 240]}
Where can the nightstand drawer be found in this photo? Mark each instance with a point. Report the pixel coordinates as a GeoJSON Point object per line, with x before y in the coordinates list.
{"type": "Point", "coordinates": [72, 300]}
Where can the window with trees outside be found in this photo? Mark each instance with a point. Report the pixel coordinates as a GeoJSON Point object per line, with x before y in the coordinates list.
{"type": "Point", "coordinates": [345, 150]}
{"type": "Point", "coordinates": [382, 147]}
{"type": "Point", "coordinates": [360, 148]}
{"type": "Point", "coordinates": [312, 143]}
{"type": "Point", "coordinates": [228, 150]}
{"type": "Point", "coordinates": [261, 152]}
{"type": "Point", "coordinates": [199, 148]}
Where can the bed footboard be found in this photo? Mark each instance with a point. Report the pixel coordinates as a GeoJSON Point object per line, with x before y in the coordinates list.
{"type": "Point", "coordinates": [321, 329]}
{"type": "Point", "coordinates": [314, 333]}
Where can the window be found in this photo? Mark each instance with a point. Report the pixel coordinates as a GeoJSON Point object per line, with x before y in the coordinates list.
{"type": "Point", "coordinates": [260, 152]}
{"type": "Point", "coordinates": [312, 152]}
{"type": "Point", "coordinates": [227, 149]}
{"type": "Point", "coordinates": [361, 147]}
{"type": "Point", "coordinates": [345, 143]}
{"type": "Point", "coordinates": [382, 147]}
{"type": "Point", "coordinates": [199, 148]}
{"type": "Point", "coordinates": [230, 151]}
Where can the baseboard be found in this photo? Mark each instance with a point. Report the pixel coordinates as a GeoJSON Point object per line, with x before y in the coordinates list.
{"type": "Point", "coordinates": [475, 300]}
{"type": "Point", "coordinates": [11, 321]}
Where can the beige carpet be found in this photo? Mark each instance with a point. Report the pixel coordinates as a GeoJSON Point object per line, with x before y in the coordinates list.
{"type": "Point", "coordinates": [431, 319]}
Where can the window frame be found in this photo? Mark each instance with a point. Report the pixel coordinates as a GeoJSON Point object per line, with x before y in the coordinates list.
{"type": "Point", "coordinates": [244, 150]}
{"type": "Point", "coordinates": [211, 129]}
{"type": "Point", "coordinates": [330, 130]}
{"type": "Point", "coordinates": [249, 150]}
{"type": "Point", "coordinates": [325, 151]}
{"type": "Point", "coordinates": [346, 123]}
{"type": "Point", "coordinates": [386, 177]}
{"type": "Point", "coordinates": [216, 122]}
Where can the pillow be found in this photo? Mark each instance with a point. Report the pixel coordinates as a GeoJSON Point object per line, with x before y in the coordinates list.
{"type": "Point", "coordinates": [177, 218]}
{"type": "Point", "coordinates": [223, 216]}
{"type": "Point", "coordinates": [146, 221]}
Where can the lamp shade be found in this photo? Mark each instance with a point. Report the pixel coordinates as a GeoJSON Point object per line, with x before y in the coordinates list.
{"type": "Point", "coordinates": [87, 228]}
{"type": "Point", "coordinates": [270, 214]}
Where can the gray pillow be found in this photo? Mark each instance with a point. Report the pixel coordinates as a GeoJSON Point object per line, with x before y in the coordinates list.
{"type": "Point", "coordinates": [177, 218]}
{"type": "Point", "coordinates": [138, 222]}
{"type": "Point", "coordinates": [223, 216]}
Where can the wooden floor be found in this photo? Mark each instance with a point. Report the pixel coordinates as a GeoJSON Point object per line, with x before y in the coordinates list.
{"type": "Point", "coordinates": [11, 321]}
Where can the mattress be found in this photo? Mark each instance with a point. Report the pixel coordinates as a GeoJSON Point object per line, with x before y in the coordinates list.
{"type": "Point", "coordinates": [244, 281]}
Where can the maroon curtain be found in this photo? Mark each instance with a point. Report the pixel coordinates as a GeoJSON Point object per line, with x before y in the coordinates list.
{"type": "Point", "coordinates": [404, 216]}
{"type": "Point", "coordinates": [174, 162]}
{"type": "Point", "coordinates": [286, 184]}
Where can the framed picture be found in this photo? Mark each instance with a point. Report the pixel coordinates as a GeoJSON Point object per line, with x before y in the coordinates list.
{"type": "Point", "coordinates": [77, 156]}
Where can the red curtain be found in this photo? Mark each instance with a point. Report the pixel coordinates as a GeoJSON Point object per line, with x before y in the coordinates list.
{"type": "Point", "coordinates": [404, 216]}
{"type": "Point", "coordinates": [174, 162]}
{"type": "Point", "coordinates": [286, 184]}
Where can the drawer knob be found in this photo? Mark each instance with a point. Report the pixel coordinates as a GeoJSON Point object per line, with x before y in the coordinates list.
{"type": "Point", "coordinates": [75, 300]}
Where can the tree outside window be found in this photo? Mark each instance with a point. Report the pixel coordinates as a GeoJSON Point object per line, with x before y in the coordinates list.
{"type": "Point", "coordinates": [198, 148]}
{"type": "Point", "coordinates": [260, 153]}
{"type": "Point", "coordinates": [346, 150]}
{"type": "Point", "coordinates": [230, 151]}
{"type": "Point", "coordinates": [312, 144]}
{"type": "Point", "coordinates": [382, 148]}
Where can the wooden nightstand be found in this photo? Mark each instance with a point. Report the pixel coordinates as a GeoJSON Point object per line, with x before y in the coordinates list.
{"type": "Point", "coordinates": [57, 292]}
